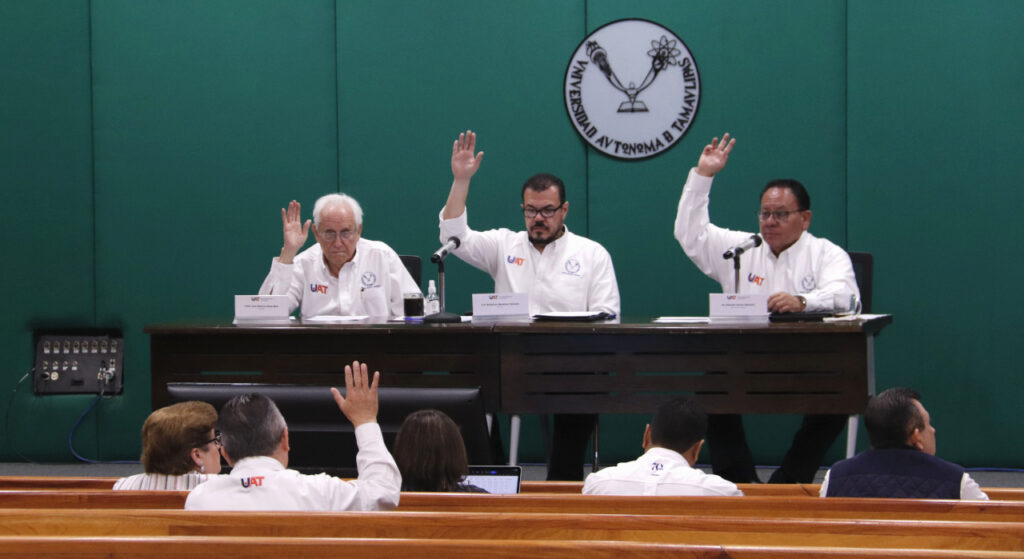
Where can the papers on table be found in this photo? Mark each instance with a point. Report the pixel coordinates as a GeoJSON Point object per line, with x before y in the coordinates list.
{"type": "Point", "coordinates": [851, 318]}
{"type": "Point", "coordinates": [333, 318]}
{"type": "Point", "coordinates": [682, 320]}
{"type": "Point", "coordinates": [573, 316]}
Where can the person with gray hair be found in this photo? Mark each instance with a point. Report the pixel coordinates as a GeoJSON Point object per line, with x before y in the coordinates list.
{"type": "Point", "coordinates": [901, 462]}
{"type": "Point", "coordinates": [343, 274]}
{"type": "Point", "coordinates": [254, 436]}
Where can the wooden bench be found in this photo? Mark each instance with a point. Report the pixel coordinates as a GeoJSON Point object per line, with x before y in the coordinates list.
{"type": "Point", "coordinates": [768, 507]}
{"type": "Point", "coordinates": [92, 499]}
{"type": "Point", "coordinates": [563, 487]}
{"type": "Point", "coordinates": [753, 489]}
{"type": "Point", "coordinates": [689, 530]}
{"type": "Point", "coordinates": [56, 482]}
{"type": "Point", "coordinates": [316, 548]}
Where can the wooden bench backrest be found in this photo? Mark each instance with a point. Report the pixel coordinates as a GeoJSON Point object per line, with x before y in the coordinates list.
{"type": "Point", "coordinates": [690, 530]}
{"type": "Point", "coordinates": [769, 507]}
{"type": "Point", "coordinates": [750, 489]}
{"type": "Point", "coordinates": [316, 548]}
{"type": "Point", "coordinates": [93, 499]}
{"type": "Point", "coordinates": [992, 511]}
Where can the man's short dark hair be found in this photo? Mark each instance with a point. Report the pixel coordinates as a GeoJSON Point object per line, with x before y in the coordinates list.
{"type": "Point", "coordinates": [543, 181]}
{"type": "Point", "coordinates": [250, 425]}
{"type": "Point", "coordinates": [803, 199]}
{"type": "Point", "coordinates": [679, 424]}
{"type": "Point", "coordinates": [891, 417]}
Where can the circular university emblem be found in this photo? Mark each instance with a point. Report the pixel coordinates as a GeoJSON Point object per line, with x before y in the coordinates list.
{"type": "Point", "coordinates": [632, 89]}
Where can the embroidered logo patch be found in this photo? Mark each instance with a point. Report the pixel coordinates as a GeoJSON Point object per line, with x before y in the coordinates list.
{"type": "Point", "coordinates": [515, 260]}
{"type": "Point", "coordinates": [572, 267]}
{"type": "Point", "coordinates": [318, 288]}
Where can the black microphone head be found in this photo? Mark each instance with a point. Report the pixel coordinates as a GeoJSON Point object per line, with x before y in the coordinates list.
{"type": "Point", "coordinates": [757, 239]}
{"type": "Point", "coordinates": [455, 240]}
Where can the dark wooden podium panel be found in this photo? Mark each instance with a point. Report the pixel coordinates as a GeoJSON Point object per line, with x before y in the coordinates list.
{"type": "Point", "coordinates": [779, 368]}
{"type": "Point", "coordinates": [449, 355]}
{"type": "Point", "coordinates": [606, 367]}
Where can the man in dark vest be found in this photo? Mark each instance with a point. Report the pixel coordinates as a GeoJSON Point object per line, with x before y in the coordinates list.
{"type": "Point", "coordinates": [901, 461]}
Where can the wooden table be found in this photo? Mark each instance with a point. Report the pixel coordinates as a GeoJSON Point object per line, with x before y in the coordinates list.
{"type": "Point", "coordinates": [545, 367]}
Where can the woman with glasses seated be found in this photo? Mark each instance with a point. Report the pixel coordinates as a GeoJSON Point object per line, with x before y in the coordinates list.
{"type": "Point", "coordinates": [431, 454]}
{"type": "Point", "coordinates": [180, 448]}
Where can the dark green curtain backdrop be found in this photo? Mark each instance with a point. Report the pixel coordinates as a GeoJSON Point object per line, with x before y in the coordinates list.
{"type": "Point", "coordinates": [146, 148]}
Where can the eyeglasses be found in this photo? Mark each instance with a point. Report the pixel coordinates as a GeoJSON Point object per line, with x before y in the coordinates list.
{"type": "Point", "coordinates": [216, 439]}
{"type": "Point", "coordinates": [331, 236]}
{"type": "Point", "coordinates": [780, 215]}
{"type": "Point", "coordinates": [546, 212]}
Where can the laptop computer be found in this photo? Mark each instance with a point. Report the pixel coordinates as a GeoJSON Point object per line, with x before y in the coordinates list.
{"type": "Point", "coordinates": [495, 479]}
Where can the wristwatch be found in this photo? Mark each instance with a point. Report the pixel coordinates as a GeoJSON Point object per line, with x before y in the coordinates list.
{"type": "Point", "coordinates": [803, 301]}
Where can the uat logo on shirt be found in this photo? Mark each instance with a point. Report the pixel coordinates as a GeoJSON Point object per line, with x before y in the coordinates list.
{"type": "Point", "coordinates": [755, 279]}
{"type": "Point", "coordinates": [318, 288]}
{"type": "Point", "coordinates": [254, 481]}
{"type": "Point", "coordinates": [515, 260]}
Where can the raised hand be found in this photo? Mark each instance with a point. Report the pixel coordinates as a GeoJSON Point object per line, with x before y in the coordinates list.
{"type": "Point", "coordinates": [715, 156]}
{"type": "Point", "coordinates": [464, 163]}
{"type": "Point", "coordinates": [359, 404]}
{"type": "Point", "coordinates": [295, 231]}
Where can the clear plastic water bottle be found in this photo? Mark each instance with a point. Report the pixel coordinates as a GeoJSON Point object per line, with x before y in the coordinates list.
{"type": "Point", "coordinates": [432, 304]}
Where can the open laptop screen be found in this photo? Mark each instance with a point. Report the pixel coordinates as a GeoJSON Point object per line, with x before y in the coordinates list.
{"type": "Point", "coordinates": [495, 479]}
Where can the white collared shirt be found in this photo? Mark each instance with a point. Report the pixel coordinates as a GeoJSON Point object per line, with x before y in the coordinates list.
{"type": "Point", "coordinates": [815, 268]}
{"type": "Point", "coordinates": [263, 483]}
{"type": "Point", "coordinates": [372, 283]}
{"type": "Point", "coordinates": [659, 471]}
{"type": "Point", "coordinates": [572, 274]}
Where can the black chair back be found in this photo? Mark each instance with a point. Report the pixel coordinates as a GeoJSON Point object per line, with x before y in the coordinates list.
{"type": "Point", "coordinates": [864, 269]}
{"type": "Point", "coordinates": [414, 264]}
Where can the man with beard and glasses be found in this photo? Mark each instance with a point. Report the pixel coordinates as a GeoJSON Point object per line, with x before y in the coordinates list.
{"type": "Point", "coordinates": [559, 270]}
{"type": "Point", "coordinates": [798, 272]}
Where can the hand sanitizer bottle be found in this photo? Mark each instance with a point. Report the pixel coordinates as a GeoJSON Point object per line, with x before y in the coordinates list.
{"type": "Point", "coordinates": [432, 304]}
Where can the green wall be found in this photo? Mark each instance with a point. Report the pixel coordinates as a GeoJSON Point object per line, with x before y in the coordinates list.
{"type": "Point", "coordinates": [147, 146]}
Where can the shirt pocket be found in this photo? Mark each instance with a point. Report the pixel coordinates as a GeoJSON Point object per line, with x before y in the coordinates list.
{"type": "Point", "coordinates": [375, 303]}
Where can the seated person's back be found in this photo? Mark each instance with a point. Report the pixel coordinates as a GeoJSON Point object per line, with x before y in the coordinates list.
{"type": "Point", "coordinates": [901, 462]}
{"type": "Point", "coordinates": [255, 440]}
{"type": "Point", "coordinates": [431, 454]}
{"type": "Point", "coordinates": [671, 442]}
{"type": "Point", "coordinates": [180, 448]}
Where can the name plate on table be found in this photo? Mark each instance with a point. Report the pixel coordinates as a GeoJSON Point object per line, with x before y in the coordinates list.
{"type": "Point", "coordinates": [501, 305]}
{"type": "Point", "coordinates": [738, 307]}
{"type": "Point", "coordinates": [261, 309]}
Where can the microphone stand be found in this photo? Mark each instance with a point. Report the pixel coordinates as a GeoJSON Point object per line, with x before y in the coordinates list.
{"type": "Point", "coordinates": [441, 316]}
{"type": "Point", "coordinates": [736, 269]}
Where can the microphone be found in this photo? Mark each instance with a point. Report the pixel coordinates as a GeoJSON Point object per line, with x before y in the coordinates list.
{"type": "Point", "coordinates": [753, 241]}
{"type": "Point", "coordinates": [452, 244]}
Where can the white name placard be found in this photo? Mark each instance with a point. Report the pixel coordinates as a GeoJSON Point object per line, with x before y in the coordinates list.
{"type": "Point", "coordinates": [261, 309]}
{"type": "Point", "coordinates": [499, 305]}
{"type": "Point", "coordinates": [738, 307]}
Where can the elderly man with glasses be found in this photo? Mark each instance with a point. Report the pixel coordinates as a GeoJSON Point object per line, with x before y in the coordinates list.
{"type": "Point", "coordinates": [798, 272]}
{"type": "Point", "coordinates": [343, 274]}
{"type": "Point", "coordinates": [559, 270]}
